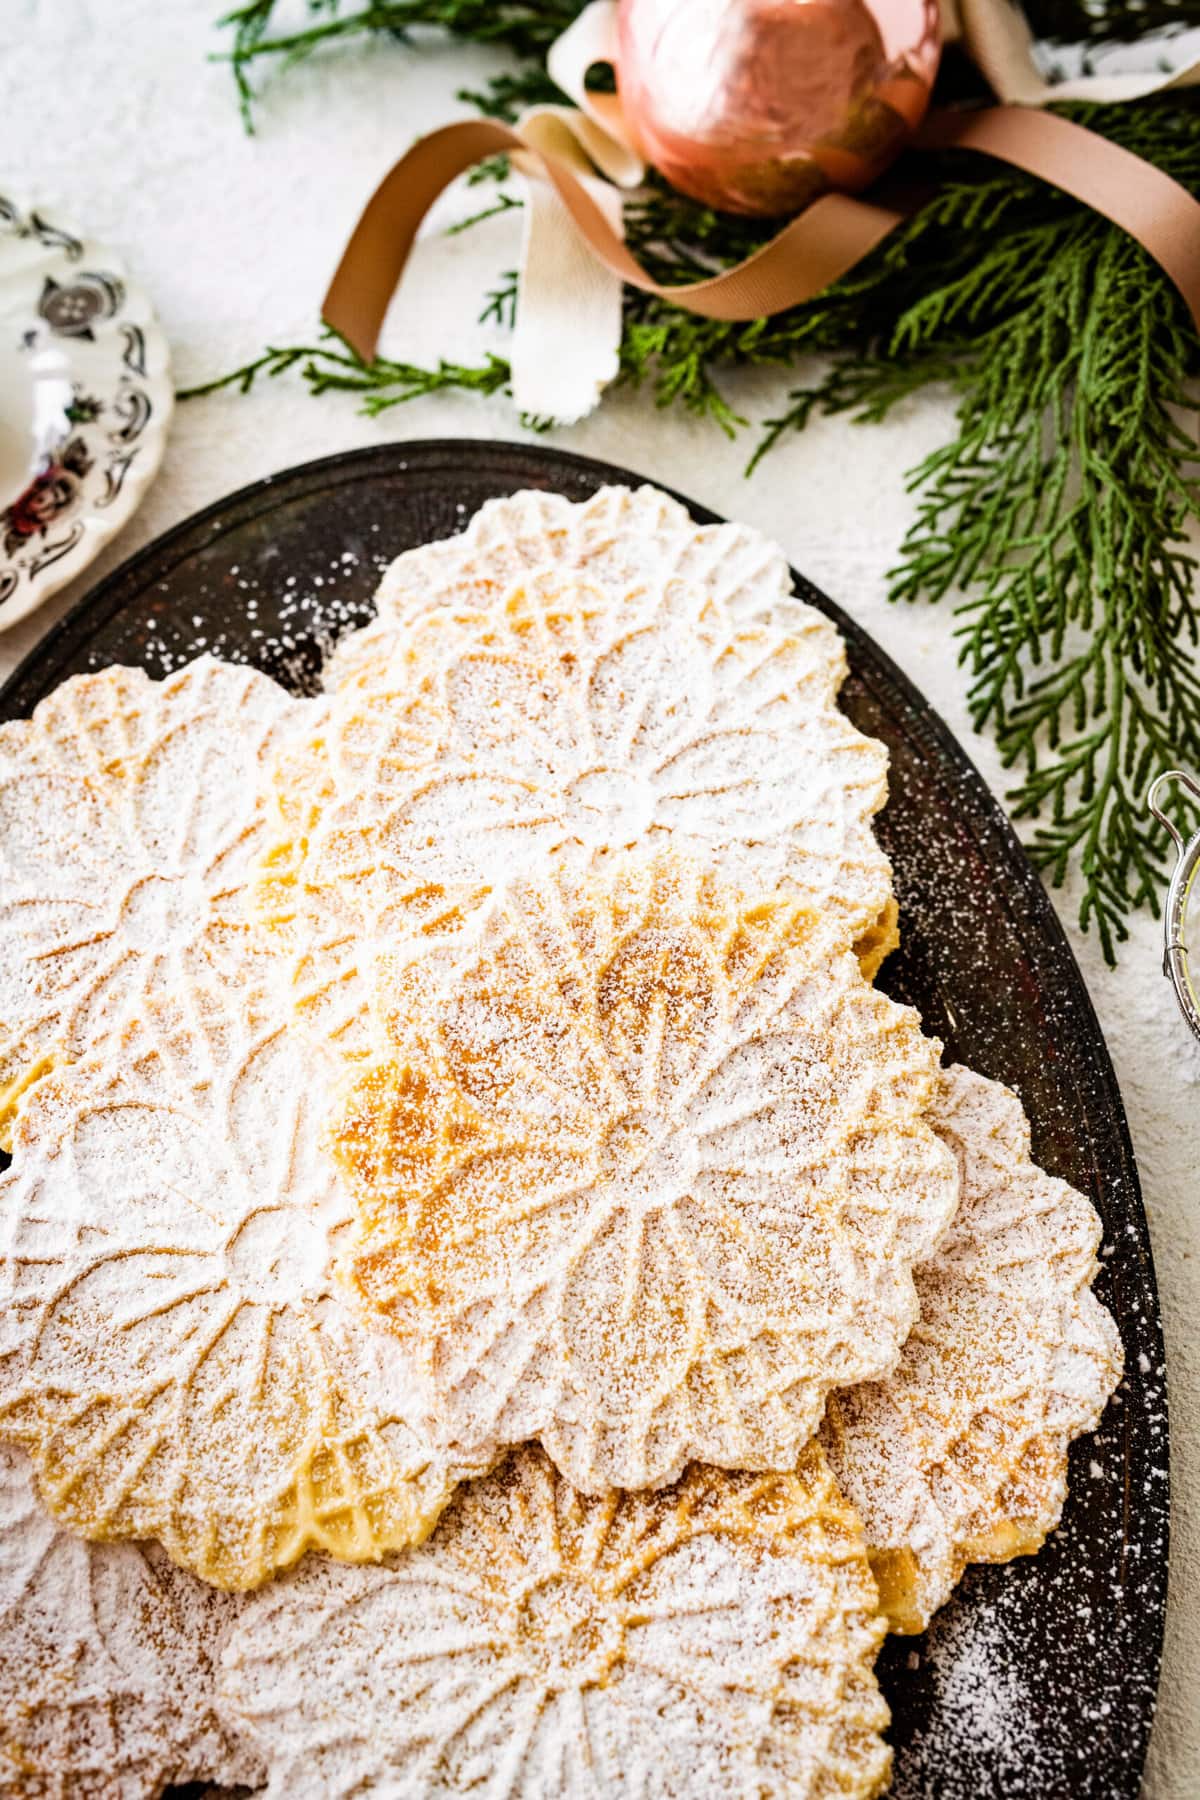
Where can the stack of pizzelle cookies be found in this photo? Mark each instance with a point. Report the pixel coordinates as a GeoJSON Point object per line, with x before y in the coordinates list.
{"type": "Point", "coordinates": [494, 1297]}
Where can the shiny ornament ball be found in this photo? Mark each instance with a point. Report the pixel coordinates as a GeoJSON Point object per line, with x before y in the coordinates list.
{"type": "Point", "coordinates": [758, 106]}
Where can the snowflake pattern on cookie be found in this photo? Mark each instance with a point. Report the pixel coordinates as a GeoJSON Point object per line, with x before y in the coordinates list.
{"type": "Point", "coordinates": [175, 1351]}
{"type": "Point", "coordinates": [131, 812]}
{"type": "Point", "coordinates": [650, 1177]}
{"type": "Point", "coordinates": [107, 1664]}
{"type": "Point", "coordinates": [713, 1639]}
{"type": "Point", "coordinates": [960, 1455]}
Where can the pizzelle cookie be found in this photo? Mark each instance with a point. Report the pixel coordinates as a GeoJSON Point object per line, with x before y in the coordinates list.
{"type": "Point", "coordinates": [107, 1664]}
{"type": "Point", "coordinates": [960, 1455]}
{"type": "Point", "coordinates": [557, 719]}
{"type": "Point", "coordinates": [325, 931]}
{"type": "Point", "coordinates": [130, 816]}
{"type": "Point", "coordinates": [175, 1354]}
{"type": "Point", "coordinates": [716, 1638]}
{"type": "Point", "coordinates": [474, 750]}
{"type": "Point", "coordinates": [623, 542]}
{"type": "Point", "coordinates": [649, 1177]}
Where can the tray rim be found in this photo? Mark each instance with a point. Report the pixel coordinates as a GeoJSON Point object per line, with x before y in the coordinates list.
{"type": "Point", "coordinates": [981, 811]}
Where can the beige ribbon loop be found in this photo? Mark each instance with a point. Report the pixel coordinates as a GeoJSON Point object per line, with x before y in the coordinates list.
{"type": "Point", "coordinates": [601, 127]}
{"type": "Point", "coordinates": [832, 235]}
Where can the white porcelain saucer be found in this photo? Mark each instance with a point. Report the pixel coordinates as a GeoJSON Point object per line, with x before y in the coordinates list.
{"type": "Point", "coordinates": [85, 400]}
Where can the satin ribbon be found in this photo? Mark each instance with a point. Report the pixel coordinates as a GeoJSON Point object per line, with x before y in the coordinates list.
{"type": "Point", "coordinates": [559, 148]}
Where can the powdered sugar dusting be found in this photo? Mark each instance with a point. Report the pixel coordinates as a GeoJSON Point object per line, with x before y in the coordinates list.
{"type": "Point", "coordinates": [645, 1174]}
{"type": "Point", "coordinates": [960, 1454]}
{"type": "Point", "coordinates": [985, 1707]}
{"type": "Point", "coordinates": [568, 715]}
{"type": "Point", "coordinates": [130, 815]}
{"type": "Point", "coordinates": [621, 540]}
{"type": "Point", "coordinates": [107, 1663]}
{"type": "Point", "coordinates": [175, 1354]}
{"type": "Point", "coordinates": [710, 1640]}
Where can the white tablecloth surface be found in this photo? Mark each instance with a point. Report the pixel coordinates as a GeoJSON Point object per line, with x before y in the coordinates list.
{"type": "Point", "coordinates": [111, 114]}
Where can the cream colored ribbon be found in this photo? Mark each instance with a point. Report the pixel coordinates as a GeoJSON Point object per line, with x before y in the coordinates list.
{"type": "Point", "coordinates": [567, 334]}
{"type": "Point", "coordinates": [577, 160]}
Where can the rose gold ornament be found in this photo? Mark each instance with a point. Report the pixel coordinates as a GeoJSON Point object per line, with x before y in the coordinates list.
{"type": "Point", "coordinates": [758, 106]}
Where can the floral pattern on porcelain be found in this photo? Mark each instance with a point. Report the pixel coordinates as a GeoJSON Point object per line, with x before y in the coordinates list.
{"type": "Point", "coordinates": [64, 297]}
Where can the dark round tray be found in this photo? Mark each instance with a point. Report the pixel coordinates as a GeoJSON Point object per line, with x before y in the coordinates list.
{"type": "Point", "coordinates": [1038, 1679]}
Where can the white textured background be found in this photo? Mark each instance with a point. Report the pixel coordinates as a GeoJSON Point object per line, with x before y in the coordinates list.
{"type": "Point", "coordinates": [111, 114]}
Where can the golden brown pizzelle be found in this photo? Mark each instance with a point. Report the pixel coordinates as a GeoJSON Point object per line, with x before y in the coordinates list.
{"type": "Point", "coordinates": [179, 1360]}
{"type": "Point", "coordinates": [131, 817]}
{"type": "Point", "coordinates": [715, 1638]}
{"type": "Point", "coordinates": [648, 1175]}
{"type": "Point", "coordinates": [960, 1454]}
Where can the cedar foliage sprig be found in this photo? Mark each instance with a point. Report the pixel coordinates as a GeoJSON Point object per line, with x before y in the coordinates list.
{"type": "Point", "coordinates": [526, 27]}
{"type": "Point", "coordinates": [1063, 504]}
{"type": "Point", "coordinates": [1060, 508]}
{"type": "Point", "coordinates": [333, 367]}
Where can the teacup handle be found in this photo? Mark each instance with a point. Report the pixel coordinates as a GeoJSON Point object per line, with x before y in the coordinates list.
{"type": "Point", "coordinates": [1159, 785]}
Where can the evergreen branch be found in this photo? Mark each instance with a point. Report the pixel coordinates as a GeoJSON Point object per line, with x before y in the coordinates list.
{"type": "Point", "coordinates": [506, 96]}
{"type": "Point", "coordinates": [500, 306]}
{"type": "Point", "coordinates": [1062, 507]}
{"type": "Point", "coordinates": [526, 27]}
{"type": "Point", "coordinates": [333, 367]}
{"type": "Point", "coordinates": [503, 203]}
